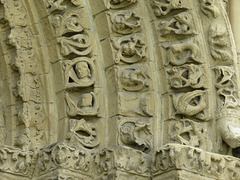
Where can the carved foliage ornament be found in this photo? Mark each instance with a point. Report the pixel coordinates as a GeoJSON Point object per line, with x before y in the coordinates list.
{"type": "Point", "coordinates": [135, 134]}
{"type": "Point", "coordinates": [125, 22]}
{"type": "Point", "coordinates": [116, 4]}
{"type": "Point", "coordinates": [130, 49]}
{"type": "Point", "coordinates": [82, 134]}
{"type": "Point", "coordinates": [163, 7]}
{"type": "Point", "coordinates": [79, 72]}
{"type": "Point", "coordinates": [188, 75]}
{"type": "Point", "coordinates": [63, 156]}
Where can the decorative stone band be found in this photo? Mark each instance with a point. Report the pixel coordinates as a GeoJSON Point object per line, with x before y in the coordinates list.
{"type": "Point", "coordinates": [16, 162]}
{"type": "Point", "coordinates": [173, 157]}
{"type": "Point", "coordinates": [65, 161]}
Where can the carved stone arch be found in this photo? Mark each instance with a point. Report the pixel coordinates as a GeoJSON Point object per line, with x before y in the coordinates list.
{"type": "Point", "coordinates": [118, 89]}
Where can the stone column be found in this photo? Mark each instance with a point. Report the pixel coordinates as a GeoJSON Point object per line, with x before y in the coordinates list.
{"type": "Point", "coordinates": [234, 17]}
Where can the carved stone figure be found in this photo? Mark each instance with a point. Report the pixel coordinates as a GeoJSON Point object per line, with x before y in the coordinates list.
{"type": "Point", "coordinates": [188, 75]}
{"type": "Point", "coordinates": [130, 49]}
{"type": "Point", "coordinates": [86, 105]}
{"type": "Point", "coordinates": [163, 7]}
{"type": "Point", "coordinates": [134, 78]}
{"type": "Point", "coordinates": [78, 44]}
{"type": "Point", "coordinates": [210, 6]}
{"type": "Point", "coordinates": [191, 103]}
{"type": "Point", "coordinates": [219, 42]}
{"type": "Point", "coordinates": [180, 24]}
{"type": "Point", "coordinates": [135, 134]}
{"type": "Point", "coordinates": [79, 72]}
{"type": "Point", "coordinates": [181, 53]}
{"type": "Point", "coordinates": [53, 5]}
{"type": "Point", "coordinates": [68, 22]}
{"type": "Point", "coordinates": [116, 4]}
{"type": "Point", "coordinates": [187, 132]}
{"type": "Point", "coordinates": [82, 134]}
{"type": "Point", "coordinates": [226, 89]}
{"type": "Point", "coordinates": [126, 22]}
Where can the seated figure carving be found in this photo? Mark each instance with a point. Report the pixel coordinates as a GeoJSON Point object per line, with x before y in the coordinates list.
{"type": "Point", "coordinates": [79, 73]}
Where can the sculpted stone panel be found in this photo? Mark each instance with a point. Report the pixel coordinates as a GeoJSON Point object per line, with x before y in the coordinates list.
{"type": "Point", "coordinates": [118, 89]}
{"type": "Point", "coordinates": [135, 134]}
{"type": "Point", "coordinates": [181, 24]}
{"type": "Point", "coordinates": [187, 132]}
{"type": "Point", "coordinates": [79, 72]}
{"type": "Point", "coordinates": [192, 104]}
{"type": "Point", "coordinates": [82, 133]}
{"type": "Point", "coordinates": [188, 75]}
{"type": "Point", "coordinates": [125, 22]}
{"type": "Point", "coordinates": [181, 53]}
{"type": "Point", "coordinates": [134, 78]}
{"type": "Point", "coordinates": [130, 49]}
{"type": "Point", "coordinates": [86, 105]}
{"type": "Point", "coordinates": [117, 4]}
{"type": "Point", "coordinates": [163, 7]}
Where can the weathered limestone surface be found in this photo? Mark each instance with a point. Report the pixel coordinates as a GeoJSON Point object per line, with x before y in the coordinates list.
{"type": "Point", "coordinates": [119, 89]}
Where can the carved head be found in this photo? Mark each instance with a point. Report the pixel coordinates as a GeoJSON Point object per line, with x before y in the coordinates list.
{"type": "Point", "coordinates": [82, 70]}
{"type": "Point", "coordinates": [86, 100]}
{"type": "Point", "coordinates": [129, 49]}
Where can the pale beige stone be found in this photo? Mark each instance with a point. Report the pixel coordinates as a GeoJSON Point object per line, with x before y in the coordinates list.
{"type": "Point", "coordinates": [119, 89]}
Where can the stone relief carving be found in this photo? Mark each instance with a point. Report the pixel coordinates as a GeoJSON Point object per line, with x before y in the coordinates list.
{"type": "Point", "coordinates": [163, 7]}
{"type": "Point", "coordinates": [181, 53]}
{"type": "Point", "coordinates": [228, 124]}
{"type": "Point", "coordinates": [79, 72]}
{"type": "Point", "coordinates": [210, 6]}
{"type": "Point", "coordinates": [218, 41]}
{"type": "Point", "coordinates": [125, 22]}
{"type": "Point", "coordinates": [82, 134]}
{"type": "Point", "coordinates": [192, 103]}
{"type": "Point", "coordinates": [135, 162]}
{"type": "Point", "coordinates": [133, 105]}
{"type": "Point", "coordinates": [117, 4]}
{"type": "Point", "coordinates": [188, 75]}
{"type": "Point", "coordinates": [187, 132]}
{"type": "Point", "coordinates": [130, 49]}
{"type": "Point", "coordinates": [53, 5]}
{"type": "Point", "coordinates": [68, 22]}
{"type": "Point", "coordinates": [86, 105]}
{"type": "Point", "coordinates": [134, 78]}
{"type": "Point", "coordinates": [226, 89]}
{"type": "Point", "coordinates": [180, 24]}
{"type": "Point", "coordinates": [64, 156]}
{"type": "Point", "coordinates": [135, 134]}
{"type": "Point", "coordinates": [195, 160]}
{"type": "Point", "coordinates": [78, 44]}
